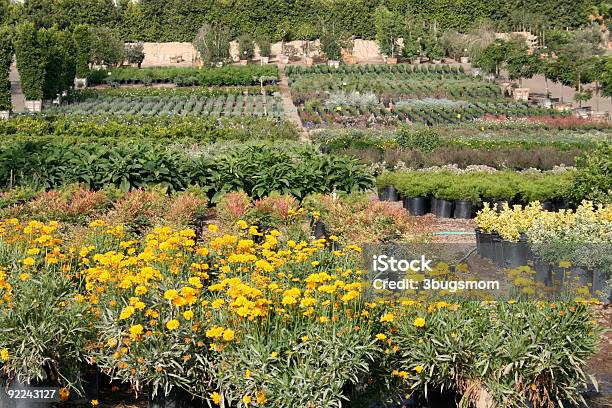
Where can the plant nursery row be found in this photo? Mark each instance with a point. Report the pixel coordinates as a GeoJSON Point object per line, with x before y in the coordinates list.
{"type": "Point", "coordinates": [360, 116]}
{"type": "Point", "coordinates": [459, 193]}
{"type": "Point", "coordinates": [228, 105]}
{"type": "Point", "coordinates": [225, 76]}
{"type": "Point", "coordinates": [166, 128]}
{"type": "Point", "coordinates": [256, 168]}
{"type": "Point", "coordinates": [581, 239]}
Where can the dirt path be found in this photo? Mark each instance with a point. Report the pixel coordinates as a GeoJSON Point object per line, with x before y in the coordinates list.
{"type": "Point", "coordinates": [17, 96]}
{"type": "Point", "coordinates": [288, 106]}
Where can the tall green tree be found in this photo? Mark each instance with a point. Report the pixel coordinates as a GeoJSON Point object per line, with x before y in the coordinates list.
{"type": "Point", "coordinates": [31, 61]}
{"type": "Point", "coordinates": [389, 29]}
{"type": "Point", "coordinates": [6, 58]}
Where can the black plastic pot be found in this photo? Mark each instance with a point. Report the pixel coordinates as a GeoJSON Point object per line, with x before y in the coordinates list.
{"type": "Point", "coordinates": [515, 254]}
{"type": "Point", "coordinates": [91, 382]}
{"type": "Point", "coordinates": [547, 205]}
{"type": "Point", "coordinates": [319, 230]}
{"type": "Point", "coordinates": [543, 272]}
{"type": "Point", "coordinates": [561, 204]}
{"type": "Point", "coordinates": [416, 205]}
{"type": "Point", "coordinates": [484, 244]}
{"type": "Point", "coordinates": [434, 205]}
{"type": "Point", "coordinates": [388, 193]}
{"type": "Point", "coordinates": [463, 209]}
{"type": "Point", "coordinates": [497, 250]}
{"type": "Point", "coordinates": [444, 208]}
{"type": "Point", "coordinates": [175, 399]}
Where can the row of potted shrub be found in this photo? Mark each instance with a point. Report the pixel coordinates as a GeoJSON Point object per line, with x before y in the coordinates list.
{"type": "Point", "coordinates": [570, 247]}
{"type": "Point", "coordinates": [447, 193]}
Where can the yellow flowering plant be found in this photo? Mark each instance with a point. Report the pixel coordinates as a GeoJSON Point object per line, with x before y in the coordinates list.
{"type": "Point", "coordinates": [147, 297]}
{"type": "Point", "coordinates": [44, 330]}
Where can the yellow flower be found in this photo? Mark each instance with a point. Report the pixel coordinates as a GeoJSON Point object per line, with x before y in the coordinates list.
{"type": "Point", "coordinates": [171, 294]}
{"type": "Point", "coordinates": [217, 303]}
{"type": "Point", "coordinates": [126, 312]}
{"type": "Point", "coordinates": [215, 396]}
{"type": "Point", "coordinates": [4, 354]}
{"type": "Point", "coordinates": [24, 277]}
{"type": "Point", "coordinates": [242, 224]}
{"type": "Point", "coordinates": [419, 322]}
{"type": "Point", "coordinates": [274, 354]}
{"type": "Point", "coordinates": [136, 329]}
{"type": "Point", "coordinates": [247, 399]}
{"type": "Point", "coordinates": [228, 335]}
{"type": "Point", "coordinates": [28, 261]}
{"type": "Point", "coordinates": [381, 337]}
{"type": "Point", "coordinates": [388, 317]}
{"type": "Point", "coordinates": [94, 403]}
{"type": "Point", "coordinates": [64, 393]}
{"type": "Point", "coordinates": [260, 397]}
{"type": "Point", "coordinates": [247, 373]}
{"type": "Point", "coordinates": [213, 228]}
{"type": "Point", "coordinates": [419, 369]}
{"type": "Point", "coordinates": [173, 324]}
{"type": "Point", "coordinates": [289, 300]}
{"type": "Point", "coordinates": [188, 314]}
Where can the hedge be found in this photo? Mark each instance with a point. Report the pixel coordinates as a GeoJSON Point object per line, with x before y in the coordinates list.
{"type": "Point", "coordinates": [6, 56]}
{"type": "Point", "coordinates": [178, 20]}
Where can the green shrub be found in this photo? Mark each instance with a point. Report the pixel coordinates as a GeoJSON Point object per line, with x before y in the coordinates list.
{"type": "Point", "coordinates": [6, 57]}
{"type": "Point", "coordinates": [423, 139]}
{"type": "Point", "coordinates": [246, 47]}
{"type": "Point", "coordinates": [593, 178]}
{"type": "Point", "coordinates": [31, 61]}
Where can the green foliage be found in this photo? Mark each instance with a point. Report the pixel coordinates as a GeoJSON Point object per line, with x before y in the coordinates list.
{"type": "Point", "coordinates": [113, 128]}
{"type": "Point", "coordinates": [134, 53]}
{"type": "Point", "coordinates": [423, 139]}
{"type": "Point", "coordinates": [479, 185]}
{"type": "Point", "coordinates": [593, 179]}
{"type": "Point", "coordinates": [332, 43]}
{"type": "Point", "coordinates": [31, 61]}
{"type": "Point", "coordinates": [106, 47]}
{"type": "Point", "coordinates": [160, 21]}
{"type": "Point", "coordinates": [6, 57]}
{"type": "Point", "coordinates": [258, 169]}
{"type": "Point", "coordinates": [388, 30]}
{"type": "Point", "coordinates": [212, 43]}
{"type": "Point", "coordinates": [265, 48]}
{"type": "Point", "coordinates": [524, 337]}
{"type": "Point", "coordinates": [209, 76]}
{"type": "Point", "coordinates": [60, 60]}
{"type": "Point", "coordinates": [492, 57]}
{"type": "Point", "coordinates": [82, 41]}
{"type": "Point", "coordinates": [246, 47]}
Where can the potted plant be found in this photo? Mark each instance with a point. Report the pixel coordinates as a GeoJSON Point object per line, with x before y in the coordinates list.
{"type": "Point", "coordinates": [332, 43]}
{"type": "Point", "coordinates": [415, 193]}
{"type": "Point", "coordinates": [82, 43]}
{"type": "Point", "coordinates": [386, 189]}
{"type": "Point", "coordinates": [388, 30]}
{"type": "Point", "coordinates": [246, 49]}
{"type": "Point", "coordinates": [213, 44]}
{"type": "Point", "coordinates": [265, 50]}
{"type": "Point", "coordinates": [45, 329]}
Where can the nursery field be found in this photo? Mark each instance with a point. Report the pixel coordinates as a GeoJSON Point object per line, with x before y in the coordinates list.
{"type": "Point", "coordinates": [226, 105]}
{"type": "Point", "coordinates": [385, 96]}
{"type": "Point", "coordinates": [192, 250]}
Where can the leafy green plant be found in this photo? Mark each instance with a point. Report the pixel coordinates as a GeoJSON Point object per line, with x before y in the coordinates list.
{"type": "Point", "coordinates": [31, 61]}
{"type": "Point", "coordinates": [6, 57]}
{"type": "Point", "coordinates": [246, 47]}
{"type": "Point", "coordinates": [593, 178]}
{"type": "Point", "coordinates": [423, 139]}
